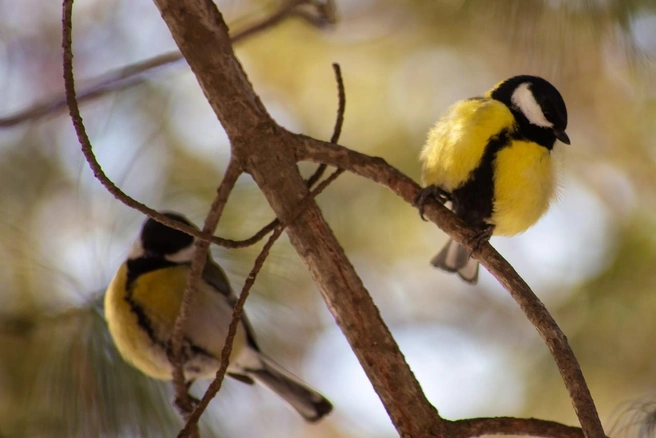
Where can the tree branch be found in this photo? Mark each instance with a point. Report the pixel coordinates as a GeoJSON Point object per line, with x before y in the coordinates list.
{"type": "Point", "coordinates": [337, 131]}
{"type": "Point", "coordinates": [183, 399]}
{"type": "Point", "coordinates": [92, 161]}
{"type": "Point", "coordinates": [192, 420]}
{"type": "Point", "coordinates": [378, 170]}
{"type": "Point", "coordinates": [215, 386]}
{"type": "Point", "coordinates": [475, 427]}
{"type": "Point", "coordinates": [267, 152]}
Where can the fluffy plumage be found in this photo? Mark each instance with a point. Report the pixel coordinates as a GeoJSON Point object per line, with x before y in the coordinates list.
{"type": "Point", "coordinates": [491, 156]}
{"type": "Point", "coordinates": [142, 303]}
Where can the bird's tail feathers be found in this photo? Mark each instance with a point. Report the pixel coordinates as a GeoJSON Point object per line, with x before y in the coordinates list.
{"type": "Point", "coordinates": [455, 258]}
{"type": "Point", "coordinates": [306, 401]}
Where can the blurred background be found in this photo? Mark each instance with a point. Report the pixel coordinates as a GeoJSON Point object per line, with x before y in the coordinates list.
{"type": "Point", "coordinates": [591, 259]}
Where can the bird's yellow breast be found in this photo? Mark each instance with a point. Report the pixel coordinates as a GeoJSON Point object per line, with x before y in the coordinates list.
{"type": "Point", "coordinates": [130, 338]}
{"type": "Point", "coordinates": [155, 298]}
{"type": "Point", "coordinates": [456, 143]}
{"type": "Point", "coordinates": [524, 185]}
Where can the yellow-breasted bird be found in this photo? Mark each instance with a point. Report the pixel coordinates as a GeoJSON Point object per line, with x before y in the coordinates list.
{"type": "Point", "coordinates": [142, 303]}
{"type": "Point", "coordinates": [490, 158]}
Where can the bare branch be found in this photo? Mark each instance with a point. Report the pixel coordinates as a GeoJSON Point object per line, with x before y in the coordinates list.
{"type": "Point", "coordinates": [87, 149]}
{"type": "Point", "coordinates": [339, 121]}
{"type": "Point", "coordinates": [215, 386]}
{"type": "Point", "coordinates": [183, 399]}
{"type": "Point", "coordinates": [337, 131]}
{"type": "Point", "coordinates": [475, 427]}
{"type": "Point", "coordinates": [267, 153]}
{"type": "Point", "coordinates": [378, 170]}
{"type": "Point", "coordinates": [132, 74]}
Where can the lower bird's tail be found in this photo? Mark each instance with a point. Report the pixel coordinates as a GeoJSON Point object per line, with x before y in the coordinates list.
{"type": "Point", "coordinates": [455, 258]}
{"type": "Point", "coordinates": [306, 401]}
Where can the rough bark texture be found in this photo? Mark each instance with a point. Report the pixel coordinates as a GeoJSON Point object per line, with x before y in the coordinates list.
{"type": "Point", "coordinates": [267, 152]}
{"type": "Point", "coordinates": [475, 427]}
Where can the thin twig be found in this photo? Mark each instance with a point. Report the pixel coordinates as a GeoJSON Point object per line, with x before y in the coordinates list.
{"type": "Point", "coordinates": [183, 399]}
{"type": "Point", "coordinates": [318, 173]}
{"type": "Point", "coordinates": [215, 386]}
{"type": "Point", "coordinates": [238, 310]}
{"type": "Point", "coordinates": [341, 103]}
{"type": "Point", "coordinates": [87, 149]}
{"type": "Point", "coordinates": [128, 76]}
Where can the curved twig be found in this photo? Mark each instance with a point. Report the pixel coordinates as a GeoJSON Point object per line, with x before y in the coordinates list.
{"type": "Point", "coordinates": [96, 168]}
{"type": "Point", "coordinates": [316, 176]}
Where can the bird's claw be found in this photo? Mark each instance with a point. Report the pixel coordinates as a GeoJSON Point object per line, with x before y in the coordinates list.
{"type": "Point", "coordinates": [480, 238]}
{"type": "Point", "coordinates": [431, 191]}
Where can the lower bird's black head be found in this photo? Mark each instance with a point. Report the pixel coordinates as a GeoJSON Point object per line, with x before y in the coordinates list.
{"type": "Point", "coordinates": [160, 240]}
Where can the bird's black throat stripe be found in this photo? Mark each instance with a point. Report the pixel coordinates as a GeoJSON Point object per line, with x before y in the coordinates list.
{"type": "Point", "coordinates": [143, 265]}
{"type": "Point", "coordinates": [473, 201]}
{"type": "Point", "coordinates": [135, 269]}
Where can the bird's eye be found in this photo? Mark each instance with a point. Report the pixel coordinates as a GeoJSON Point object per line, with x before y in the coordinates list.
{"type": "Point", "coordinates": [549, 113]}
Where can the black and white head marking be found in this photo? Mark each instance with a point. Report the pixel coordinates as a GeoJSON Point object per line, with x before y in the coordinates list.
{"type": "Point", "coordinates": [538, 107]}
{"type": "Point", "coordinates": [158, 240]}
{"type": "Point", "coordinates": [524, 100]}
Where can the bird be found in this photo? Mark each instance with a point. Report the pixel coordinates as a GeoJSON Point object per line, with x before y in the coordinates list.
{"type": "Point", "coordinates": [488, 159]}
{"type": "Point", "coordinates": [142, 303]}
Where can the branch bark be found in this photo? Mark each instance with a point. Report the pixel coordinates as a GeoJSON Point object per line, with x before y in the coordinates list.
{"type": "Point", "coordinates": [182, 396]}
{"type": "Point", "coordinates": [475, 427]}
{"type": "Point", "coordinates": [267, 153]}
{"type": "Point", "coordinates": [378, 170]}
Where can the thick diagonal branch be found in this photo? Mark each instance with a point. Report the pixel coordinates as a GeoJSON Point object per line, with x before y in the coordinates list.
{"type": "Point", "coordinates": [267, 153]}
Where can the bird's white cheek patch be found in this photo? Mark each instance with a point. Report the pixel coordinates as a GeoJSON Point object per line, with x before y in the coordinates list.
{"type": "Point", "coordinates": [136, 251]}
{"type": "Point", "coordinates": [183, 256]}
{"type": "Point", "coordinates": [523, 99]}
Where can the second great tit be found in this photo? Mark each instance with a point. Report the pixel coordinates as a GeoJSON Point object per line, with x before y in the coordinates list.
{"type": "Point", "coordinates": [142, 303]}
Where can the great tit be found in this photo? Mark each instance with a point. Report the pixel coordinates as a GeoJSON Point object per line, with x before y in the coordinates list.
{"type": "Point", "coordinates": [490, 159]}
{"type": "Point", "coordinates": [142, 302]}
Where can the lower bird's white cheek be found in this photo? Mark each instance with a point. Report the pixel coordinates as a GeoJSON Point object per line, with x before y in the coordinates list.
{"type": "Point", "coordinates": [182, 256]}
{"type": "Point", "coordinates": [136, 251]}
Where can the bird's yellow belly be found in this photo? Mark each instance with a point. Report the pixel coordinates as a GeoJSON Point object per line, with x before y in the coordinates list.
{"type": "Point", "coordinates": [524, 185]}
{"type": "Point", "coordinates": [158, 295]}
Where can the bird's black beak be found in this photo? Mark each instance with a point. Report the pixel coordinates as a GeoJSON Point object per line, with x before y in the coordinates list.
{"type": "Point", "coordinates": [560, 135]}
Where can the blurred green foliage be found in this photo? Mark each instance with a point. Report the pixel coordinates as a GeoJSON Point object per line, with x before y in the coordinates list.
{"type": "Point", "coordinates": [62, 237]}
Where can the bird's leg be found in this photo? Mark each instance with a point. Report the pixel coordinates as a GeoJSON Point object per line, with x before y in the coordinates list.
{"type": "Point", "coordinates": [431, 191]}
{"type": "Point", "coordinates": [187, 403]}
{"type": "Point", "coordinates": [482, 236]}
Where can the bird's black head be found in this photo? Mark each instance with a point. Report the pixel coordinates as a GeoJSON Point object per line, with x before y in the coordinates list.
{"type": "Point", "coordinates": [537, 106]}
{"type": "Point", "coordinates": [158, 240]}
